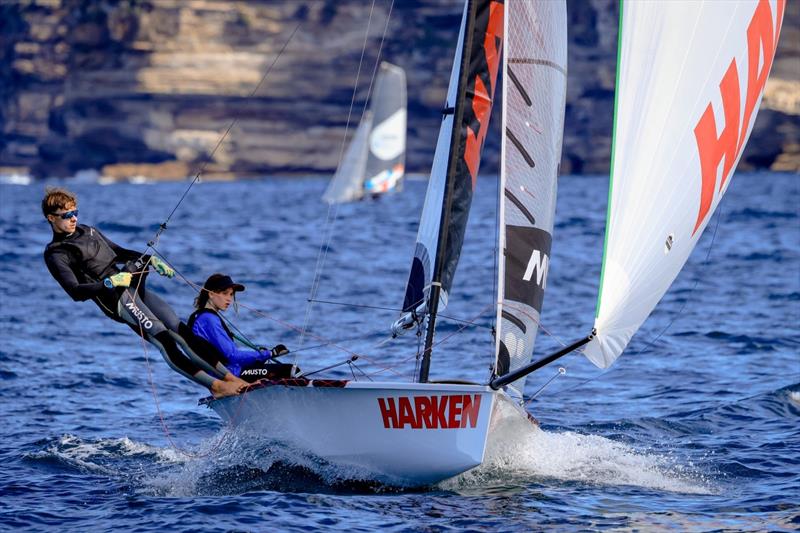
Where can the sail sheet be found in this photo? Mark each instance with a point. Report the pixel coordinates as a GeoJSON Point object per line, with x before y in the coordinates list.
{"type": "Point", "coordinates": [465, 123]}
{"type": "Point", "coordinates": [387, 140]}
{"type": "Point", "coordinates": [347, 185]}
{"type": "Point", "coordinates": [690, 78]}
{"type": "Point", "coordinates": [534, 96]}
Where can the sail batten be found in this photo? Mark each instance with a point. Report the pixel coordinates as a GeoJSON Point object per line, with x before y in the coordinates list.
{"type": "Point", "coordinates": [534, 98]}
{"type": "Point", "coordinates": [687, 94]}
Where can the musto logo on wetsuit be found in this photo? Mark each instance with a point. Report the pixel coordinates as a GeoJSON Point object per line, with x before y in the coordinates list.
{"type": "Point", "coordinates": [140, 316]}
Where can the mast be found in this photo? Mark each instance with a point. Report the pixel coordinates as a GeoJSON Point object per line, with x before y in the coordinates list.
{"type": "Point", "coordinates": [455, 139]}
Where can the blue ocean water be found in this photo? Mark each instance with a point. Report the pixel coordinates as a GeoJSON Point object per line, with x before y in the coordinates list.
{"type": "Point", "coordinates": [696, 428]}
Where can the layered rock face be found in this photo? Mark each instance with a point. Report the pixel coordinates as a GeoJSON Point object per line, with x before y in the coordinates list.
{"type": "Point", "coordinates": [149, 87]}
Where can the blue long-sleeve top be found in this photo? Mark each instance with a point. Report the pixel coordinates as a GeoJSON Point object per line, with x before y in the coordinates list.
{"type": "Point", "coordinates": [209, 325]}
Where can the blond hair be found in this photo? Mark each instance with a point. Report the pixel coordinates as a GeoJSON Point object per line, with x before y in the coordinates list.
{"type": "Point", "coordinates": [56, 198]}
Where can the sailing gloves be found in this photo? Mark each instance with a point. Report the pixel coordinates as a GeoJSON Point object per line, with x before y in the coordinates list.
{"type": "Point", "coordinates": [278, 351]}
{"type": "Point", "coordinates": [275, 352]}
{"type": "Point", "coordinates": [123, 279]}
{"type": "Point", "coordinates": [161, 267]}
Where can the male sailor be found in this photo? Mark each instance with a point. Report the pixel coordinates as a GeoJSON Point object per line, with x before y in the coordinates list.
{"type": "Point", "coordinates": [89, 266]}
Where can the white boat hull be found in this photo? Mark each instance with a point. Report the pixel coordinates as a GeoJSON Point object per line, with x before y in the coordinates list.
{"type": "Point", "coordinates": [406, 434]}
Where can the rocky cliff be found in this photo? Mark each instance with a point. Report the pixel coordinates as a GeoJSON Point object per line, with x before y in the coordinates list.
{"type": "Point", "coordinates": [149, 86]}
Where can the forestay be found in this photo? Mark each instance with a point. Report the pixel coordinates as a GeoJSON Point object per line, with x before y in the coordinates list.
{"type": "Point", "coordinates": [534, 95]}
{"type": "Point", "coordinates": [689, 82]}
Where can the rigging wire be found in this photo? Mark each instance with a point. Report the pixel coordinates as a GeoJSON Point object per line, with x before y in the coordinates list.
{"type": "Point", "coordinates": [396, 310]}
{"type": "Point", "coordinates": [334, 208]}
{"type": "Point", "coordinates": [561, 371]}
{"type": "Point", "coordinates": [163, 226]}
{"type": "Point", "coordinates": [154, 241]}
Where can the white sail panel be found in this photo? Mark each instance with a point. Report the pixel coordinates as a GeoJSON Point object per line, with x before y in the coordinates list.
{"type": "Point", "coordinates": [387, 141]}
{"type": "Point", "coordinates": [689, 81]}
{"type": "Point", "coordinates": [347, 184]}
{"type": "Point", "coordinates": [534, 96]}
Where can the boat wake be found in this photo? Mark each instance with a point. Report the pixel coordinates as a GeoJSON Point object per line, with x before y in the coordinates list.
{"type": "Point", "coordinates": [226, 464]}
{"type": "Point", "coordinates": [519, 453]}
{"type": "Point", "coordinates": [110, 456]}
{"type": "Point", "coordinates": [234, 463]}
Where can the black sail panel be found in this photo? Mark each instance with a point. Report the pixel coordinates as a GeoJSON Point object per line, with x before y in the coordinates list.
{"type": "Point", "coordinates": [478, 96]}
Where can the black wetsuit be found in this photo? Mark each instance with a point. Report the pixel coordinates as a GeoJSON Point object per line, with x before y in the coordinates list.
{"type": "Point", "coordinates": [80, 261]}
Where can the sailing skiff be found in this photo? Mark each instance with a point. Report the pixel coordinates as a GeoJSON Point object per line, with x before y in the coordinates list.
{"type": "Point", "coordinates": [690, 76]}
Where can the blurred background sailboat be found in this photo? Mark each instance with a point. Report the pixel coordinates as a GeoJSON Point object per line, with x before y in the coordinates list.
{"type": "Point", "coordinates": [374, 163]}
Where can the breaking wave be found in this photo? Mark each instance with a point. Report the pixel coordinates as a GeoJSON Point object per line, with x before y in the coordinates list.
{"type": "Point", "coordinates": [518, 451]}
{"type": "Point", "coordinates": [109, 456]}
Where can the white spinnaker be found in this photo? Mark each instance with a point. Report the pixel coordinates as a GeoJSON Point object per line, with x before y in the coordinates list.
{"type": "Point", "coordinates": [347, 184]}
{"type": "Point", "coordinates": [534, 95]}
{"type": "Point", "coordinates": [677, 60]}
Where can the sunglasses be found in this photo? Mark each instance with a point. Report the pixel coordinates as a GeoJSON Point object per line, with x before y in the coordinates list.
{"type": "Point", "coordinates": [68, 215]}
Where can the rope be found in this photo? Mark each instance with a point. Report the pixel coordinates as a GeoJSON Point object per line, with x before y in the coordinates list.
{"type": "Point", "coordinates": [334, 208]}
{"type": "Point", "coordinates": [154, 391]}
{"type": "Point", "coordinates": [163, 226]}
{"type": "Point", "coordinates": [154, 242]}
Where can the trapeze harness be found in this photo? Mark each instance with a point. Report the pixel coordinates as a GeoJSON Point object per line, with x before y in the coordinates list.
{"type": "Point", "coordinates": [81, 260]}
{"type": "Point", "coordinates": [249, 365]}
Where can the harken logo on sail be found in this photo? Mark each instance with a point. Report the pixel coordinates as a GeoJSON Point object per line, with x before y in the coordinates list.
{"type": "Point", "coordinates": [430, 412]}
{"type": "Point", "coordinates": [762, 38]}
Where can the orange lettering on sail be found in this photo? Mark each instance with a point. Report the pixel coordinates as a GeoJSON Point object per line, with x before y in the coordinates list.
{"type": "Point", "coordinates": [712, 148]}
{"type": "Point", "coordinates": [762, 37]}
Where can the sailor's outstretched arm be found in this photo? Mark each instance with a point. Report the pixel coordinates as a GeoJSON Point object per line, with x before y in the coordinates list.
{"type": "Point", "coordinates": [58, 263]}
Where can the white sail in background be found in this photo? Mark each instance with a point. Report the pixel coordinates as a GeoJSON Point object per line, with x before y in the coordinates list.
{"type": "Point", "coordinates": [375, 160]}
{"type": "Point", "coordinates": [347, 184]}
{"type": "Point", "coordinates": [534, 96]}
{"type": "Point", "coordinates": [689, 82]}
{"type": "Point", "coordinates": [387, 140]}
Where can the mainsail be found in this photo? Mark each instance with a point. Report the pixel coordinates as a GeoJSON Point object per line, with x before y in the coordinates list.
{"type": "Point", "coordinates": [387, 140]}
{"type": "Point", "coordinates": [375, 160]}
{"type": "Point", "coordinates": [534, 96]}
{"type": "Point", "coordinates": [465, 123]}
{"type": "Point", "coordinates": [690, 77]}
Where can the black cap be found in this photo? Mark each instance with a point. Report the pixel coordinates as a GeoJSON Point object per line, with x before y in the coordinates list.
{"type": "Point", "coordinates": [220, 282]}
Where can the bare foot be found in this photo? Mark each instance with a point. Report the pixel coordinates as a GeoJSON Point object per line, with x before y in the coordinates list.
{"type": "Point", "coordinates": [233, 379]}
{"type": "Point", "coordinates": [221, 389]}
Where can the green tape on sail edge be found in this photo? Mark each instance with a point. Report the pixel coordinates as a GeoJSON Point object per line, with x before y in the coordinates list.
{"type": "Point", "coordinates": [613, 157]}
